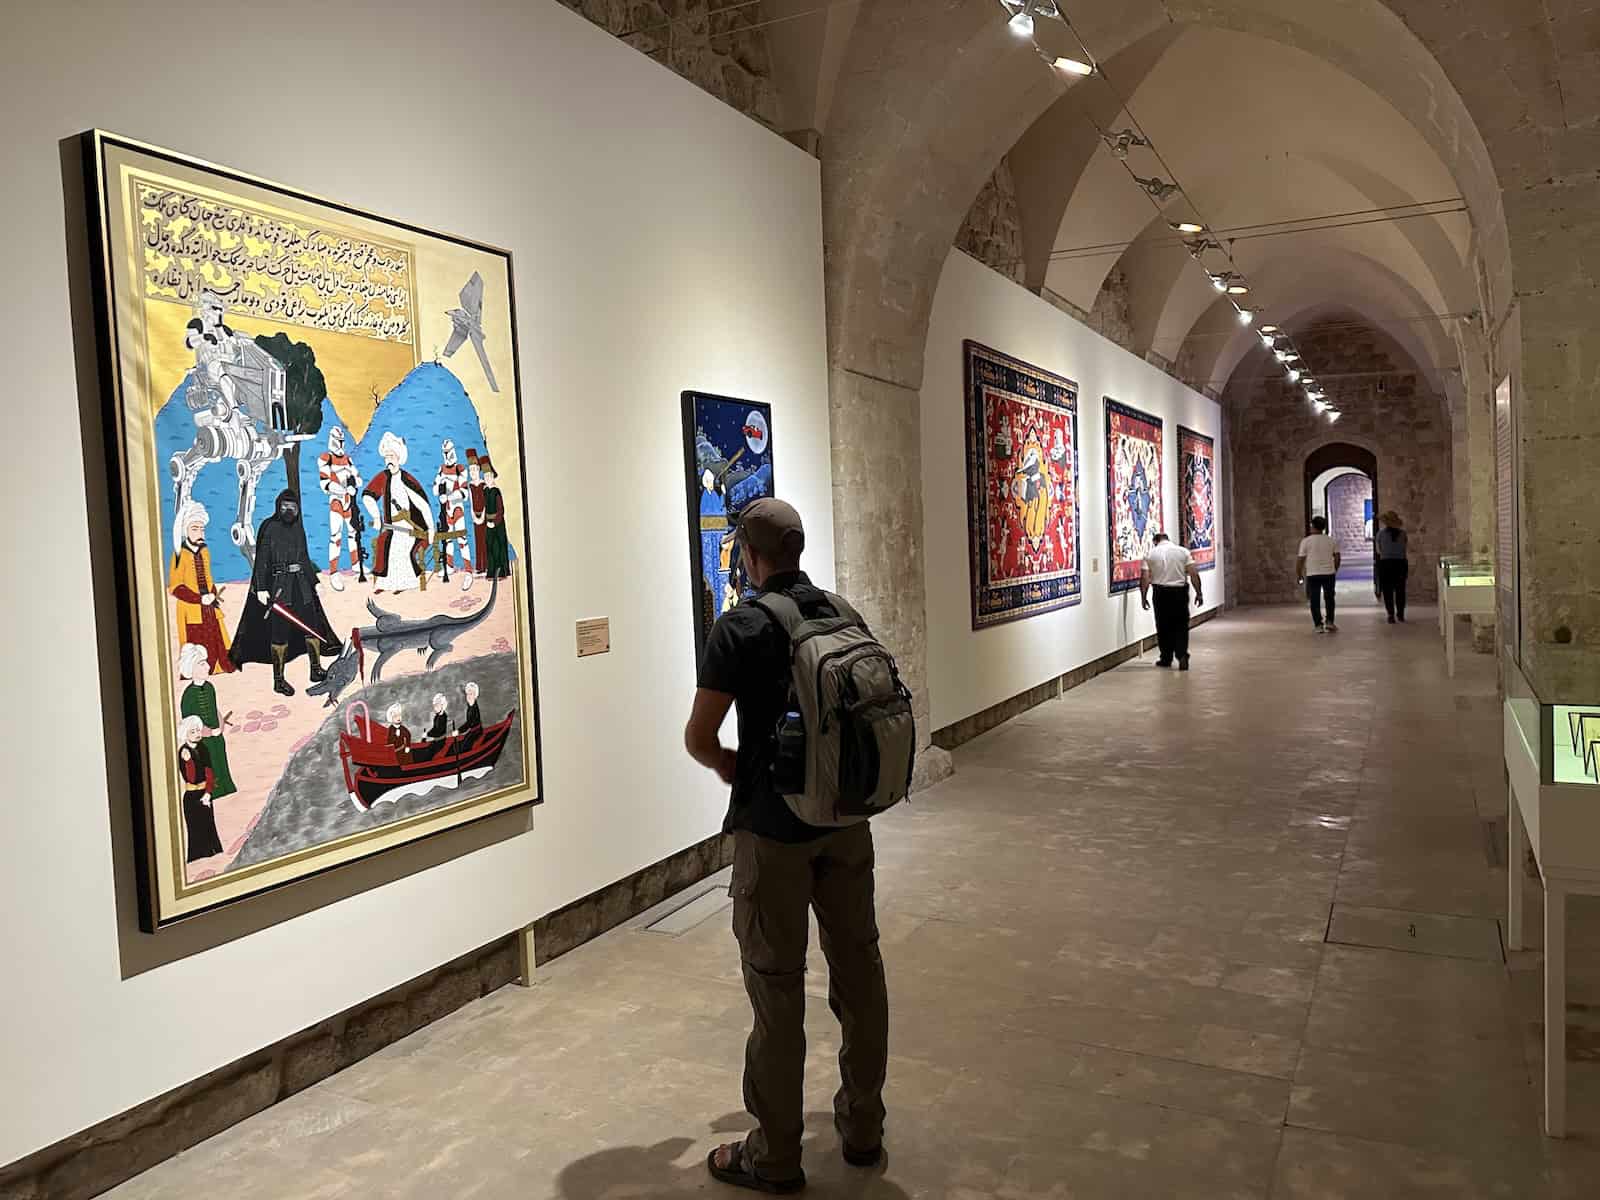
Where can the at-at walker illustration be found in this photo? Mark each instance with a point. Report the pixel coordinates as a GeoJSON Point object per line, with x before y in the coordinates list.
{"type": "Point", "coordinates": [237, 395]}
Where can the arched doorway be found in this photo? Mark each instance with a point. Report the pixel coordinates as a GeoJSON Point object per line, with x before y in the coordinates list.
{"type": "Point", "coordinates": [1341, 484]}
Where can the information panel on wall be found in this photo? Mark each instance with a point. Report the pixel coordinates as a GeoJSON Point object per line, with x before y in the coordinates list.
{"type": "Point", "coordinates": [1505, 444]}
{"type": "Point", "coordinates": [314, 427]}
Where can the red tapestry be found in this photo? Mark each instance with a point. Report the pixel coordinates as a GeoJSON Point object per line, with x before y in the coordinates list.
{"type": "Point", "coordinates": [1022, 488]}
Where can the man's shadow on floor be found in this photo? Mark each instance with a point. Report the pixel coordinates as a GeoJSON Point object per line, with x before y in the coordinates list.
{"type": "Point", "coordinates": [668, 1170]}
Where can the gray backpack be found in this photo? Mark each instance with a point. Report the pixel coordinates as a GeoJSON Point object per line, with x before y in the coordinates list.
{"type": "Point", "coordinates": [848, 754]}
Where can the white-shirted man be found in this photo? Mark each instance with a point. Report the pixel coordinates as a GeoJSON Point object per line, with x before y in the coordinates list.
{"type": "Point", "coordinates": [1168, 571]}
{"type": "Point", "coordinates": [1318, 568]}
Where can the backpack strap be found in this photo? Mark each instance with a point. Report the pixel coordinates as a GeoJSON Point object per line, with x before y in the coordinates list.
{"type": "Point", "coordinates": [781, 609]}
{"type": "Point", "coordinates": [844, 609]}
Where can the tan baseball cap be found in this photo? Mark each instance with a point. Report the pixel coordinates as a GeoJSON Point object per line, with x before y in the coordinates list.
{"type": "Point", "coordinates": [772, 528]}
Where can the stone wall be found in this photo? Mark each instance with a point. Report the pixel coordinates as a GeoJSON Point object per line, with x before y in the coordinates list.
{"type": "Point", "coordinates": [992, 232]}
{"type": "Point", "coordinates": [711, 43]}
{"type": "Point", "coordinates": [1347, 521]}
{"type": "Point", "coordinates": [1387, 408]}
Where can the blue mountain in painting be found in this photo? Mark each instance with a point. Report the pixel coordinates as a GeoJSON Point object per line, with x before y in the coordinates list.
{"type": "Point", "coordinates": [426, 407]}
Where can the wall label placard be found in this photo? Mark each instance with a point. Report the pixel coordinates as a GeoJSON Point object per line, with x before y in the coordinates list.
{"type": "Point", "coordinates": [594, 636]}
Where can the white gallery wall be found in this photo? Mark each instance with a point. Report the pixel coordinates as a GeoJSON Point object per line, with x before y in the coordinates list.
{"type": "Point", "coordinates": [661, 241]}
{"type": "Point", "coordinates": [968, 671]}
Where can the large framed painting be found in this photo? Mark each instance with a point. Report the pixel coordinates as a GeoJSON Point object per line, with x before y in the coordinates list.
{"type": "Point", "coordinates": [1197, 518]}
{"type": "Point", "coordinates": [1024, 536]}
{"type": "Point", "coordinates": [727, 452]}
{"type": "Point", "coordinates": [1133, 490]}
{"type": "Point", "coordinates": [315, 439]}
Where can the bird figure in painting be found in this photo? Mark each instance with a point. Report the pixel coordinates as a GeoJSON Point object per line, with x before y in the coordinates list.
{"type": "Point", "coordinates": [467, 322]}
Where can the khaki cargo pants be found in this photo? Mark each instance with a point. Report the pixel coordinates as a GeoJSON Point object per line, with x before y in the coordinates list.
{"type": "Point", "coordinates": [774, 885]}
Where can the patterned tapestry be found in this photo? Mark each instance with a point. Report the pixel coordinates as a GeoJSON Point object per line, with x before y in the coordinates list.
{"type": "Point", "coordinates": [1133, 490]}
{"type": "Point", "coordinates": [1197, 499]}
{"type": "Point", "coordinates": [1022, 488]}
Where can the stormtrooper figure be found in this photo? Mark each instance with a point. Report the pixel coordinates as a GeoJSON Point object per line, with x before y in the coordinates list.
{"type": "Point", "coordinates": [451, 485]}
{"type": "Point", "coordinates": [340, 482]}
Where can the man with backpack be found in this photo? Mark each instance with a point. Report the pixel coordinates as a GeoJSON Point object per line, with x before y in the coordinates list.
{"type": "Point", "coordinates": [825, 740]}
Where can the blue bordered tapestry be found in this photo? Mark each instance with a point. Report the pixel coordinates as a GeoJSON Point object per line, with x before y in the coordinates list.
{"type": "Point", "coordinates": [1024, 530]}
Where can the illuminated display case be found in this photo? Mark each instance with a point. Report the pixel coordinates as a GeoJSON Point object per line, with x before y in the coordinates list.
{"type": "Point", "coordinates": [1552, 754]}
{"type": "Point", "coordinates": [1466, 589]}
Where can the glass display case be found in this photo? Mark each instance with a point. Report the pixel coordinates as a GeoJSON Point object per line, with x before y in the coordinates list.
{"type": "Point", "coordinates": [1468, 572]}
{"type": "Point", "coordinates": [1552, 756]}
{"type": "Point", "coordinates": [1466, 589]}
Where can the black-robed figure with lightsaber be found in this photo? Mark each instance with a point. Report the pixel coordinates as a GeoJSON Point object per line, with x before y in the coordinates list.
{"type": "Point", "coordinates": [283, 616]}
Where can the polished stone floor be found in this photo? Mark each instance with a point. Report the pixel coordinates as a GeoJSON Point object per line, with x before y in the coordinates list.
{"type": "Point", "coordinates": [1106, 941]}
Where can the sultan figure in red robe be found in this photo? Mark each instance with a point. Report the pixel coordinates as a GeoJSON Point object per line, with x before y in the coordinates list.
{"type": "Point", "coordinates": [399, 508]}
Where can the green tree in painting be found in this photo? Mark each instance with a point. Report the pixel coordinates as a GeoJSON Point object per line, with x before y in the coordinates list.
{"type": "Point", "coordinates": [306, 390]}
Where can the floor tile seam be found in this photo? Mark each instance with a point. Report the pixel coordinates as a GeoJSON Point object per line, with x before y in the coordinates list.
{"type": "Point", "coordinates": [1492, 1152]}
{"type": "Point", "coordinates": [1167, 1058]}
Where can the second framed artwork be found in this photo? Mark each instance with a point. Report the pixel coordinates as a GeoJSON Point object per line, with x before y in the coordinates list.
{"type": "Point", "coordinates": [1197, 516]}
{"type": "Point", "coordinates": [727, 453]}
{"type": "Point", "coordinates": [1133, 490]}
{"type": "Point", "coordinates": [1024, 534]}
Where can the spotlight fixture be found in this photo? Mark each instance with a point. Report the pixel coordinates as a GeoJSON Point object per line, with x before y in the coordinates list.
{"type": "Point", "coordinates": [1246, 316]}
{"type": "Point", "coordinates": [1334, 414]}
{"type": "Point", "coordinates": [1186, 226]}
{"type": "Point", "coordinates": [1124, 141]}
{"type": "Point", "coordinates": [1158, 187]}
{"type": "Point", "coordinates": [1291, 356]}
{"type": "Point", "coordinates": [1072, 66]}
{"type": "Point", "coordinates": [1269, 329]}
{"type": "Point", "coordinates": [1266, 340]}
{"type": "Point", "coordinates": [1219, 282]}
{"type": "Point", "coordinates": [1283, 356]}
{"type": "Point", "coordinates": [1294, 376]}
{"type": "Point", "coordinates": [1238, 289]}
{"type": "Point", "coordinates": [1022, 24]}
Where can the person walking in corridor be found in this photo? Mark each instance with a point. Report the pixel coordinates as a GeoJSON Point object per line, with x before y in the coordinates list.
{"type": "Point", "coordinates": [781, 868]}
{"type": "Point", "coordinates": [1317, 567]}
{"type": "Point", "coordinates": [1392, 566]}
{"type": "Point", "coordinates": [1169, 570]}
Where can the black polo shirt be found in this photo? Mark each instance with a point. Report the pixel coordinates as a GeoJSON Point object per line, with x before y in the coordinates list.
{"type": "Point", "coordinates": [747, 656]}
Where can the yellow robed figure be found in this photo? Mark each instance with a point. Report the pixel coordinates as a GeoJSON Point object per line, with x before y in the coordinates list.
{"type": "Point", "coordinates": [1031, 490]}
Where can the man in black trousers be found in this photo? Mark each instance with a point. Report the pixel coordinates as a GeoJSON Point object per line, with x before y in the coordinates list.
{"type": "Point", "coordinates": [1169, 569]}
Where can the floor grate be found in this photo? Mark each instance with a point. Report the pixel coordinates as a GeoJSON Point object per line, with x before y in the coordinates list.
{"type": "Point", "coordinates": [1439, 934]}
{"type": "Point", "coordinates": [691, 913]}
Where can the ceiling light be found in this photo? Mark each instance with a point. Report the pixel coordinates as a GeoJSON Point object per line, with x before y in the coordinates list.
{"type": "Point", "coordinates": [1187, 226]}
{"type": "Point", "coordinates": [1238, 289]}
{"type": "Point", "coordinates": [1290, 357]}
{"type": "Point", "coordinates": [1319, 405]}
{"type": "Point", "coordinates": [1269, 329]}
{"type": "Point", "coordinates": [1246, 316]}
{"type": "Point", "coordinates": [1121, 143]}
{"type": "Point", "coordinates": [1021, 24]}
{"type": "Point", "coordinates": [1266, 340]}
{"type": "Point", "coordinates": [1218, 282]}
{"type": "Point", "coordinates": [1294, 376]}
{"type": "Point", "coordinates": [1283, 356]}
{"type": "Point", "coordinates": [1334, 414]}
{"type": "Point", "coordinates": [1071, 66]}
{"type": "Point", "coordinates": [1158, 187]}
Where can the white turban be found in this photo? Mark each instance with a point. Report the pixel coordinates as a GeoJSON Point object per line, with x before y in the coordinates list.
{"type": "Point", "coordinates": [187, 516]}
{"type": "Point", "coordinates": [189, 659]}
{"type": "Point", "coordinates": [392, 443]}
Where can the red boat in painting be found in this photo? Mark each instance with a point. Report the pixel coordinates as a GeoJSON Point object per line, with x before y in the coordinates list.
{"type": "Point", "coordinates": [374, 772]}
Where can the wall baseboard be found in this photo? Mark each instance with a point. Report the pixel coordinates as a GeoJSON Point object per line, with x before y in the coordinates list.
{"type": "Point", "coordinates": [120, 1147]}
{"type": "Point", "coordinates": [986, 719]}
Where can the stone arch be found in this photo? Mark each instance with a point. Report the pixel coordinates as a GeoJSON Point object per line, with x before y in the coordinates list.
{"type": "Point", "coordinates": [1335, 453]}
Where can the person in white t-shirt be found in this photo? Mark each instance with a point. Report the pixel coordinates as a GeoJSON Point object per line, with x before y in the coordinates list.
{"type": "Point", "coordinates": [1318, 568]}
{"type": "Point", "coordinates": [1169, 569]}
